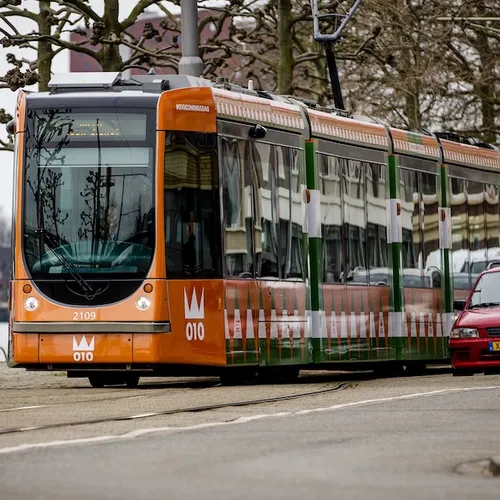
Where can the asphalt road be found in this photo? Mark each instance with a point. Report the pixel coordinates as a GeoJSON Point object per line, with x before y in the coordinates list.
{"type": "Point", "coordinates": [383, 439]}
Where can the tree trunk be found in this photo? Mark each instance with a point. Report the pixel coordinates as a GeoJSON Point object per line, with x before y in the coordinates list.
{"type": "Point", "coordinates": [109, 55]}
{"type": "Point", "coordinates": [412, 110]}
{"type": "Point", "coordinates": [485, 88]}
{"type": "Point", "coordinates": [286, 62]}
{"type": "Point", "coordinates": [45, 52]}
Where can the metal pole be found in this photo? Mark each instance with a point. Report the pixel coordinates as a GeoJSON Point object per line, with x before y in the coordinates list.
{"type": "Point", "coordinates": [190, 63]}
{"type": "Point", "coordinates": [334, 76]}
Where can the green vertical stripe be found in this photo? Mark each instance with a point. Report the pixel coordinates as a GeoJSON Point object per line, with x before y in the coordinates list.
{"type": "Point", "coordinates": [315, 244]}
{"type": "Point", "coordinates": [447, 282]}
{"type": "Point", "coordinates": [395, 247]}
{"type": "Point", "coordinates": [310, 164]}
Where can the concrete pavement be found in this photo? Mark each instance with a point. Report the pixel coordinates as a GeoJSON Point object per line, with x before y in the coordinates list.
{"type": "Point", "coordinates": [399, 443]}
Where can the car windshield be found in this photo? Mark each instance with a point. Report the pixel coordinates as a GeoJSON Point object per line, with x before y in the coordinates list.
{"type": "Point", "coordinates": [487, 291]}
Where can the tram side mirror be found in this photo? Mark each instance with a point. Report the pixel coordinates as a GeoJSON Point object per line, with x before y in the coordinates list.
{"type": "Point", "coordinates": [459, 305]}
{"type": "Point", "coordinates": [257, 132]}
{"type": "Point", "coordinates": [11, 127]}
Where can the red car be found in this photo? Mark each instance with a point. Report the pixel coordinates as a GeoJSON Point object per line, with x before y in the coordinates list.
{"type": "Point", "coordinates": [475, 337]}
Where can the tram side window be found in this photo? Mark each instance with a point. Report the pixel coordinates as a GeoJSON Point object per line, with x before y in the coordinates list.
{"type": "Point", "coordinates": [353, 194]}
{"type": "Point", "coordinates": [492, 224]}
{"type": "Point", "coordinates": [376, 217]}
{"type": "Point", "coordinates": [237, 207]}
{"type": "Point", "coordinates": [290, 213]}
{"type": "Point", "coordinates": [430, 230]}
{"type": "Point", "coordinates": [278, 232]}
{"type": "Point", "coordinates": [191, 205]}
{"type": "Point", "coordinates": [265, 162]}
{"type": "Point", "coordinates": [410, 220]}
{"type": "Point", "coordinates": [460, 235]}
{"type": "Point", "coordinates": [330, 175]}
{"type": "Point", "coordinates": [475, 230]}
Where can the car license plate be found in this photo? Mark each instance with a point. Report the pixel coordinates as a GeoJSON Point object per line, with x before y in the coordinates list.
{"type": "Point", "coordinates": [494, 346]}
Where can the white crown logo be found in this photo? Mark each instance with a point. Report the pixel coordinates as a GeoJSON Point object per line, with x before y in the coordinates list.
{"type": "Point", "coordinates": [83, 346]}
{"type": "Point", "coordinates": [195, 310]}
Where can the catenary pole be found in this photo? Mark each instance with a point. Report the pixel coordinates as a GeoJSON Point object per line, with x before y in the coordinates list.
{"type": "Point", "coordinates": [190, 63]}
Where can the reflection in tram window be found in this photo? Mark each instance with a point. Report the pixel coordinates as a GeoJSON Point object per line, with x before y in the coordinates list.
{"type": "Point", "coordinates": [477, 229]}
{"type": "Point", "coordinates": [353, 194]}
{"type": "Point", "coordinates": [331, 217]}
{"type": "Point", "coordinates": [430, 227]}
{"type": "Point", "coordinates": [237, 208]}
{"type": "Point", "coordinates": [278, 174]}
{"type": "Point", "coordinates": [410, 217]}
{"type": "Point", "coordinates": [376, 216]}
{"type": "Point", "coordinates": [492, 218]}
{"type": "Point", "coordinates": [290, 213]}
{"type": "Point", "coordinates": [459, 231]}
{"type": "Point", "coordinates": [354, 218]}
{"type": "Point", "coordinates": [191, 205]}
{"type": "Point", "coordinates": [484, 251]}
{"type": "Point", "coordinates": [265, 157]}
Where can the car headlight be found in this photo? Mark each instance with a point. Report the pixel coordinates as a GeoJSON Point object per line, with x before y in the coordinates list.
{"type": "Point", "coordinates": [30, 304]}
{"type": "Point", "coordinates": [464, 333]}
{"type": "Point", "coordinates": [142, 303]}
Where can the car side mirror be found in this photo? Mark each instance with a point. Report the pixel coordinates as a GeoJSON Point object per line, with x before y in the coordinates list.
{"type": "Point", "coordinates": [459, 305]}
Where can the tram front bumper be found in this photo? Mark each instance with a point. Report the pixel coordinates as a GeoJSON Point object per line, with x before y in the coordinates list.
{"type": "Point", "coordinates": [83, 348]}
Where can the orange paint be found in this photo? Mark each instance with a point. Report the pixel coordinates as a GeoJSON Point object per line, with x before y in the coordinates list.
{"type": "Point", "coordinates": [146, 348]}
{"type": "Point", "coordinates": [197, 324]}
{"type": "Point", "coordinates": [85, 349]}
{"type": "Point", "coordinates": [190, 109]}
{"type": "Point", "coordinates": [24, 348]}
{"type": "Point", "coordinates": [20, 271]}
{"type": "Point", "coordinates": [158, 266]}
{"type": "Point", "coordinates": [125, 310]}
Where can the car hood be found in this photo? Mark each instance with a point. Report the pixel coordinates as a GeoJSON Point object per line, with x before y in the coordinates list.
{"type": "Point", "coordinates": [479, 318]}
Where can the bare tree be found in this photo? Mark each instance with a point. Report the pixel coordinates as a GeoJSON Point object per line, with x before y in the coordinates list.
{"type": "Point", "coordinates": [472, 103]}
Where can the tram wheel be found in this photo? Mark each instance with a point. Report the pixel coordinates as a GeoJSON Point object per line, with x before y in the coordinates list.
{"type": "Point", "coordinates": [278, 374]}
{"type": "Point", "coordinates": [96, 381]}
{"type": "Point", "coordinates": [237, 376]}
{"type": "Point", "coordinates": [132, 381]}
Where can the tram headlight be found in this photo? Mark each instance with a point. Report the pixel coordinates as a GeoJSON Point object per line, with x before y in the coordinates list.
{"type": "Point", "coordinates": [142, 303]}
{"type": "Point", "coordinates": [30, 304]}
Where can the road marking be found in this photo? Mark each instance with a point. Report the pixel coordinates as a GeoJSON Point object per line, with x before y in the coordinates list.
{"type": "Point", "coordinates": [240, 420]}
{"type": "Point", "coordinates": [24, 408]}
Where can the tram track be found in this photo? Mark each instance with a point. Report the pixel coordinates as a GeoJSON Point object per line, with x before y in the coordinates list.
{"type": "Point", "coordinates": [195, 409]}
{"type": "Point", "coordinates": [137, 393]}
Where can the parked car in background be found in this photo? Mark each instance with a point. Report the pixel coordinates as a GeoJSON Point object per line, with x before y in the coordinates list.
{"type": "Point", "coordinates": [475, 337]}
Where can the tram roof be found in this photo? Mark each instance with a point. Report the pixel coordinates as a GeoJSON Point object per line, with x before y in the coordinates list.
{"type": "Point", "coordinates": [286, 112]}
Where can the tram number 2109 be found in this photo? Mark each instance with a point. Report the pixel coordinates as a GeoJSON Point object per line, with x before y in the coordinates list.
{"type": "Point", "coordinates": [84, 315]}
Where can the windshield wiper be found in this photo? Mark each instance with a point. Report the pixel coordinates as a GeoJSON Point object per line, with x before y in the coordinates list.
{"type": "Point", "coordinates": [484, 304]}
{"type": "Point", "coordinates": [85, 286]}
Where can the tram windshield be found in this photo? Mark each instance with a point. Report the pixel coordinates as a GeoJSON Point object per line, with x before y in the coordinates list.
{"type": "Point", "coordinates": [88, 193]}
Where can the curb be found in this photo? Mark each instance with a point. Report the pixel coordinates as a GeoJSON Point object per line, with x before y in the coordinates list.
{"type": "Point", "coordinates": [494, 465]}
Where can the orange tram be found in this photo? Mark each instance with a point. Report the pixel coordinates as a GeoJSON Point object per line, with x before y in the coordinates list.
{"type": "Point", "coordinates": [168, 225]}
